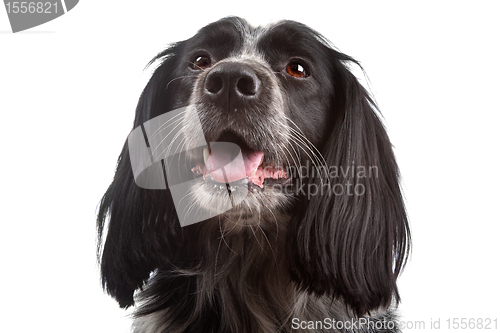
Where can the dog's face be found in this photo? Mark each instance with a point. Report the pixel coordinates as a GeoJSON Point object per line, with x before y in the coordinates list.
{"type": "Point", "coordinates": [266, 90]}
{"type": "Point", "coordinates": [251, 109]}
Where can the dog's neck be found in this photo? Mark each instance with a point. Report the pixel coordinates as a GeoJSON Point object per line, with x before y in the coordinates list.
{"type": "Point", "coordinates": [241, 271]}
{"type": "Point", "coordinates": [249, 252]}
{"type": "Point", "coordinates": [244, 267]}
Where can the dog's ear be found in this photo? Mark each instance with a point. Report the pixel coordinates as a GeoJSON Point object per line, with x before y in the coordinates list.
{"type": "Point", "coordinates": [350, 239]}
{"type": "Point", "coordinates": [142, 231]}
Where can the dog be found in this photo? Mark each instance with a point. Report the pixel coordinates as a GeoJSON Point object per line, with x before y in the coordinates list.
{"type": "Point", "coordinates": [293, 217]}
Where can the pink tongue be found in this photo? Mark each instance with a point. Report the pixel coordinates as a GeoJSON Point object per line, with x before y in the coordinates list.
{"type": "Point", "coordinates": [226, 163]}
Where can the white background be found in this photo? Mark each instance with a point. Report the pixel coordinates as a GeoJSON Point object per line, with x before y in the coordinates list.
{"type": "Point", "coordinates": [68, 91]}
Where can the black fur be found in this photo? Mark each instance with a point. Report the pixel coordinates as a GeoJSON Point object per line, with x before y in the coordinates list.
{"type": "Point", "coordinates": [343, 250]}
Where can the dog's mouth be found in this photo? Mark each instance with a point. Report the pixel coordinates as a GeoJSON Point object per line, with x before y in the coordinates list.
{"type": "Point", "coordinates": [230, 160]}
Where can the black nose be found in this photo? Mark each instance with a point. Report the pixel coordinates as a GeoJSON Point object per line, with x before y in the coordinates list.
{"type": "Point", "coordinates": [232, 85]}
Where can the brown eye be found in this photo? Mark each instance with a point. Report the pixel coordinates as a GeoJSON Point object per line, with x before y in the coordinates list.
{"type": "Point", "coordinates": [201, 62]}
{"type": "Point", "coordinates": [297, 70]}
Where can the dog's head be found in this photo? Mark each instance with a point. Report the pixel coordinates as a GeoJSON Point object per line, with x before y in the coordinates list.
{"type": "Point", "coordinates": [270, 121]}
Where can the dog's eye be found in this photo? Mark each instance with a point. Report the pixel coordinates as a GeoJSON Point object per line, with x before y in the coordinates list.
{"type": "Point", "coordinates": [201, 62]}
{"type": "Point", "coordinates": [296, 69]}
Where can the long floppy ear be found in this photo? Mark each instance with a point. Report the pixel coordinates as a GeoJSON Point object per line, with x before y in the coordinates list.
{"type": "Point", "coordinates": [142, 230]}
{"type": "Point", "coordinates": [350, 241]}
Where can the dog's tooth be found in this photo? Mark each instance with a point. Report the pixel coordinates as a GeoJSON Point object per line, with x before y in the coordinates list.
{"type": "Point", "coordinates": [205, 155]}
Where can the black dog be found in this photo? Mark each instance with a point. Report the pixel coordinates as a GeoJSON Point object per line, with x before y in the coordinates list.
{"type": "Point", "coordinates": [303, 226]}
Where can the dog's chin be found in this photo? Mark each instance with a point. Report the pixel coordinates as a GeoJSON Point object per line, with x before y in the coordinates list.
{"type": "Point", "coordinates": [242, 203]}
